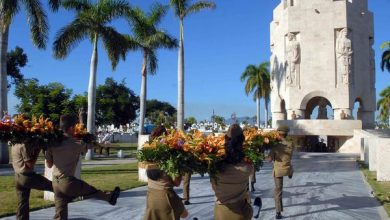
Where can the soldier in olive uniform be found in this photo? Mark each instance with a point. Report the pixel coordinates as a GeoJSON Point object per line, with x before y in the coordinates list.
{"type": "Point", "coordinates": [231, 185]}
{"type": "Point", "coordinates": [24, 158]}
{"type": "Point", "coordinates": [64, 158]}
{"type": "Point", "coordinates": [186, 188]}
{"type": "Point", "coordinates": [281, 154]}
{"type": "Point", "coordinates": [162, 202]}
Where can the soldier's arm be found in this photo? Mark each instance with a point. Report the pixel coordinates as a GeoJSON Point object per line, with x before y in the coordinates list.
{"type": "Point", "coordinates": [177, 181]}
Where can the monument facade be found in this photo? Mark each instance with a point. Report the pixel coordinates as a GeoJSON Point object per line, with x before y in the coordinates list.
{"type": "Point", "coordinates": [322, 57]}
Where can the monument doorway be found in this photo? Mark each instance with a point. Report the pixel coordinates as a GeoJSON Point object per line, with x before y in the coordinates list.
{"type": "Point", "coordinates": [319, 108]}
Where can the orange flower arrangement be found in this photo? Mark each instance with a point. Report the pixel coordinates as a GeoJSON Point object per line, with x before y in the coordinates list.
{"type": "Point", "coordinates": [178, 152]}
{"type": "Point", "coordinates": [37, 132]}
{"type": "Point", "coordinates": [80, 132]}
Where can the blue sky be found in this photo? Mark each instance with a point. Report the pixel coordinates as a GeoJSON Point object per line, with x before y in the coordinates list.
{"type": "Point", "coordinates": [219, 44]}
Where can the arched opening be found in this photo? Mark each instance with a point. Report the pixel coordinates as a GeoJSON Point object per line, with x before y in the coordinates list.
{"type": "Point", "coordinates": [283, 108]}
{"type": "Point", "coordinates": [357, 109]}
{"type": "Point", "coordinates": [319, 108]}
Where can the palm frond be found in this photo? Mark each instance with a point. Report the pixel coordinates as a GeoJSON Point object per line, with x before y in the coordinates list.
{"type": "Point", "coordinates": [385, 61]}
{"type": "Point", "coordinates": [69, 37]}
{"type": "Point", "coordinates": [179, 7]}
{"type": "Point", "coordinates": [110, 9]}
{"type": "Point", "coordinates": [198, 6]}
{"type": "Point", "coordinates": [115, 45]}
{"type": "Point", "coordinates": [132, 43]}
{"type": "Point", "coordinates": [157, 12]}
{"type": "Point", "coordinates": [8, 10]}
{"type": "Point", "coordinates": [152, 62]}
{"type": "Point", "coordinates": [249, 71]}
{"type": "Point", "coordinates": [55, 4]}
{"type": "Point", "coordinates": [37, 20]}
{"type": "Point", "coordinates": [161, 40]}
{"type": "Point", "coordinates": [77, 5]}
{"type": "Point", "coordinates": [138, 21]}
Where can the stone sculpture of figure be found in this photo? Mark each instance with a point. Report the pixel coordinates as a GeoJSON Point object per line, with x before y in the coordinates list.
{"type": "Point", "coordinates": [372, 63]}
{"type": "Point", "coordinates": [293, 58]}
{"type": "Point", "coordinates": [343, 115]}
{"type": "Point", "coordinates": [82, 116]}
{"type": "Point", "coordinates": [293, 115]}
{"type": "Point", "coordinates": [344, 56]}
{"type": "Point", "coordinates": [322, 112]}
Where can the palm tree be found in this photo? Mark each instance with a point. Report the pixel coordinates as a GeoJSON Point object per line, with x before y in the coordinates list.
{"type": "Point", "coordinates": [92, 22]}
{"type": "Point", "coordinates": [182, 8]}
{"type": "Point", "coordinates": [258, 82]}
{"type": "Point", "coordinates": [148, 38]}
{"type": "Point", "coordinates": [383, 105]}
{"type": "Point", "coordinates": [385, 62]}
{"type": "Point", "coordinates": [39, 34]}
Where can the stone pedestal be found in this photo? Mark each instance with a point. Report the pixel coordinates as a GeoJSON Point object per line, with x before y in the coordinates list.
{"type": "Point", "coordinates": [141, 168]}
{"type": "Point", "coordinates": [49, 175]}
{"type": "Point", "coordinates": [361, 142]}
{"type": "Point", "coordinates": [372, 157]}
{"type": "Point", "coordinates": [383, 159]}
{"type": "Point", "coordinates": [366, 151]}
{"type": "Point", "coordinates": [276, 116]}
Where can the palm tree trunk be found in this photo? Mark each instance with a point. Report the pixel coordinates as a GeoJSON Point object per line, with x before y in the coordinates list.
{"type": "Point", "coordinates": [258, 111]}
{"type": "Point", "coordinates": [142, 98]}
{"type": "Point", "coordinates": [180, 80]}
{"type": "Point", "coordinates": [92, 93]}
{"type": "Point", "coordinates": [266, 113]}
{"type": "Point", "coordinates": [4, 158]}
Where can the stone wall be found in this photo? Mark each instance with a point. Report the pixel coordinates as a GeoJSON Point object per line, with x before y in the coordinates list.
{"type": "Point", "coordinates": [376, 152]}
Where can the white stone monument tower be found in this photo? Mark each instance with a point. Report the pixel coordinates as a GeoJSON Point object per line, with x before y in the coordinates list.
{"type": "Point", "coordinates": [322, 56]}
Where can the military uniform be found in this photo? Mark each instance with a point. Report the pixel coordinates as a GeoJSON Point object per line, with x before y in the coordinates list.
{"type": "Point", "coordinates": [66, 187]}
{"type": "Point", "coordinates": [186, 187]}
{"type": "Point", "coordinates": [26, 179]}
{"type": "Point", "coordinates": [231, 192]}
{"type": "Point", "coordinates": [281, 154]}
{"type": "Point", "coordinates": [162, 203]}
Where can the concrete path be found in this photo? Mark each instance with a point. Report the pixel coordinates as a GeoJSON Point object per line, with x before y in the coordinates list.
{"type": "Point", "coordinates": [324, 186]}
{"type": "Point", "coordinates": [39, 168]}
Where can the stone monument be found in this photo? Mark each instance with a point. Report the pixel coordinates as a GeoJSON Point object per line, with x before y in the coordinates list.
{"type": "Point", "coordinates": [322, 50]}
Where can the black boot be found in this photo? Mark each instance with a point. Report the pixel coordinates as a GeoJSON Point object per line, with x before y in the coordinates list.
{"type": "Point", "coordinates": [278, 215]}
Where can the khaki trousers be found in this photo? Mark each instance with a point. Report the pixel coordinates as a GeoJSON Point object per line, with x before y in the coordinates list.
{"type": "Point", "coordinates": [24, 184]}
{"type": "Point", "coordinates": [278, 194]}
{"type": "Point", "coordinates": [68, 188]}
{"type": "Point", "coordinates": [240, 210]}
{"type": "Point", "coordinates": [186, 186]}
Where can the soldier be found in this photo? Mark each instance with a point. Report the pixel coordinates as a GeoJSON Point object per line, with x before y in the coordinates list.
{"type": "Point", "coordinates": [186, 188]}
{"type": "Point", "coordinates": [231, 185]}
{"type": "Point", "coordinates": [24, 157]}
{"type": "Point", "coordinates": [64, 158]}
{"type": "Point", "coordinates": [162, 202]}
{"type": "Point", "coordinates": [281, 155]}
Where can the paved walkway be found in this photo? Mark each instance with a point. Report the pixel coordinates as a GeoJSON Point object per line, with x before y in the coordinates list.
{"type": "Point", "coordinates": [324, 186]}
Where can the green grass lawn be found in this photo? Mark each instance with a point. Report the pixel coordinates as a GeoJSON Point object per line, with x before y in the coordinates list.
{"type": "Point", "coordinates": [381, 189]}
{"type": "Point", "coordinates": [105, 178]}
{"type": "Point", "coordinates": [129, 149]}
